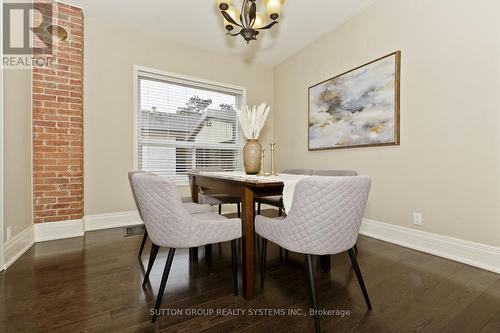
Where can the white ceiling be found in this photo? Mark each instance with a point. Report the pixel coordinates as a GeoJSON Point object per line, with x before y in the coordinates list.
{"type": "Point", "coordinates": [198, 23]}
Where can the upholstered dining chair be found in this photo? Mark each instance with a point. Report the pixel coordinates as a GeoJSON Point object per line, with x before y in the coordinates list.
{"type": "Point", "coordinates": [214, 198]}
{"type": "Point", "coordinates": [335, 173]}
{"type": "Point", "coordinates": [324, 219]}
{"type": "Point", "coordinates": [276, 200]}
{"type": "Point", "coordinates": [169, 224]}
{"type": "Point", "coordinates": [192, 207]}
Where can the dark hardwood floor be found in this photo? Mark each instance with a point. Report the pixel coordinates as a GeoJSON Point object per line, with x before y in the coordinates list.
{"type": "Point", "coordinates": [93, 284]}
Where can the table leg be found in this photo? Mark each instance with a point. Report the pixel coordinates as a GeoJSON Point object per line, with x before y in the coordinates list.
{"type": "Point", "coordinates": [247, 217]}
{"type": "Point", "coordinates": [194, 190]}
{"type": "Point", "coordinates": [193, 252]}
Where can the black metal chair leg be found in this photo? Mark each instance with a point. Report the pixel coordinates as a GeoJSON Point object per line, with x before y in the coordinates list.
{"type": "Point", "coordinates": [220, 209]}
{"type": "Point", "coordinates": [234, 256]}
{"type": "Point", "coordinates": [354, 262]}
{"type": "Point", "coordinates": [280, 211]}
{"type": "Point", "coordinates": [163, 283]}
{"type": "Point", "coordinates": [152, 257]}
{"type": "Point", "coordinates": [143, 242]}
{"type": "Point", "coordinates": [239, 210]}
{"type": "Point", "coordinates": [263, 263]}
{"type": "Point", "coordinates": [258, 208]}
{"type": "Point", "coordinates": [313, 291]}
{"type": "Point", "coordinates": [208, 254]}
{"type": "Point", "coordinates": [193, 254]}
{"type": "Point", "coordinates": [281, 254]}
{"type": "Point", "coordinates": [356, 249]}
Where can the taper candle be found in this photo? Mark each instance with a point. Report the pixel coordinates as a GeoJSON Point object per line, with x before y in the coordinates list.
{"type": "Point", "coordinates": [273, 169]}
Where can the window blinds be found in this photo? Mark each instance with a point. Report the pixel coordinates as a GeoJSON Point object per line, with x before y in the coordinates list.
{"type": "Point", "coordinates": [183, 124]}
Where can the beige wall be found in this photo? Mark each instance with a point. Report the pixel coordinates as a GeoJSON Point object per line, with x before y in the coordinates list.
{"type": "Point", "coordinates": [17, 145]}
{"type": "Point", "coordinates": [447, 166]}
{"type": "Point", "coordinates": [110, 53]}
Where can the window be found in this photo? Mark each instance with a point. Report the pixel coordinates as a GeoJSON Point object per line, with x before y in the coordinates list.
{"type": "Point", "coordinates": [185, 123]}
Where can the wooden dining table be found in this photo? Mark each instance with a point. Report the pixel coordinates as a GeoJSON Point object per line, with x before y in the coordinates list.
{"type": "Point", "coordinates": [247, 189]}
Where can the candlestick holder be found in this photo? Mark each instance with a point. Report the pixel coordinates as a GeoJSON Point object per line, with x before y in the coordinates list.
{"type": "Point", "coordinates": [273, 169]}
{"type": "Point", "coordinates": [262, 155]}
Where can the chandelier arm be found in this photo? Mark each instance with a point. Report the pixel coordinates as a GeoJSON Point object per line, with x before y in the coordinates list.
{"type": "Point", "coordinates": [234, 34]}
{"type": "Point", "coordinates": [229, 18]}
{"type": "Point", "coordinates": [244, 14]}
{"type": "Point", "coordinates": [269, 26]}
{"type": "Point", "coordinates": [252, 14]}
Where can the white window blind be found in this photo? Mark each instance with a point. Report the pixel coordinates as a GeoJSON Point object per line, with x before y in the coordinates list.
{"type": "Point", "coordinates": [183, 124]}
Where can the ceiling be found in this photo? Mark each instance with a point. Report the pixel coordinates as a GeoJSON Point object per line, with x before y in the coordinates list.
{"type": "Point", "coordinates": [198, 23]}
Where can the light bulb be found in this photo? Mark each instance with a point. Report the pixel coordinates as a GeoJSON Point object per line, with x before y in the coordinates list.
{"type": "Point", "coordinates": [260, 21]}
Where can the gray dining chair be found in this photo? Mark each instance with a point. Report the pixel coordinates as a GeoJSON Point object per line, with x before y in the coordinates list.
{"type": "Point", "coordinates": [214, 198]}
{"type": "Point", "coordinates": [277, 200]}
{"type": "Point", "coordinates": [324, 219]}
{"type": "Point", "coordinates": [192, 207]}
{"type": "Point", "coordinates": [335, 173]}
{"type": "Point", "coordinates": [169, 224]}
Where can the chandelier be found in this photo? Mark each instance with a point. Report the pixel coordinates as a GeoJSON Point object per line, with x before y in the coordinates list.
{"type": "Point", "coordinates": [249, 20]}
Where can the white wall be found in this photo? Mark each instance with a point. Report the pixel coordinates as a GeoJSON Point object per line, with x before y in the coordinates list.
{"type": "Point", "coordinates": [110, 53]}
{"type": "Point", "coordinates": [447, 166]}
{"type": "Point", "coordinates": [17, 149]}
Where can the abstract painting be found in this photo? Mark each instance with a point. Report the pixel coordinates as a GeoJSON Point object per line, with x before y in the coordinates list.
{"type": "Point", "coordinates": [358, 108]}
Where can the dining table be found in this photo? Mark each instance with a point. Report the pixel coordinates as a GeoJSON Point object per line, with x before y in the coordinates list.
{"type": "Point", "coordinates": [247, 189]}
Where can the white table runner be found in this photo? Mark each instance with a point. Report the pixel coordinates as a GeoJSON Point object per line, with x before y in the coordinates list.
{"type": "Point", "coordinates": [289, 182]}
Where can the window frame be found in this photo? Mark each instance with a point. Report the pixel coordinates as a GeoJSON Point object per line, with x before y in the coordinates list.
{"type": "Point", "coordinates": [141, 71]}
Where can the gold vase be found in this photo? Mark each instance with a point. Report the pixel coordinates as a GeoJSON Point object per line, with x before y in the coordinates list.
{"type": "Point", "coordinates": [251, 157]}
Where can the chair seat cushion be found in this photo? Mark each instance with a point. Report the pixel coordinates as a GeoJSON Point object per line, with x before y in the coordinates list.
{"type": "Point", "coordinates": [273, 200]}
{"type": "Point", "coordinates": [217, 199]}
{"type": "Point", "coordinates": [214, 228]}
{"type": "Point", "coordinates": [194, 208]}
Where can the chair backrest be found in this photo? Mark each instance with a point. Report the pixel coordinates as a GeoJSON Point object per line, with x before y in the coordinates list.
{"type": "Point", "coordinates": [298, 171]}
{"type": "Point", "coordinates": [326, 213]}
{"type": "Point", "coordinates": [166, 220]}
{"type": "Point", "coordinates": [335, 173]}
{"type": "Point", "coordinates": [130, 175]}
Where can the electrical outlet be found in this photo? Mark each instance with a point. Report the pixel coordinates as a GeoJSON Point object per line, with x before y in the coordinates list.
{"type": "Point", "coordinates": [9, 233]}
{"type": "Point", "coordinates": [417, 218]}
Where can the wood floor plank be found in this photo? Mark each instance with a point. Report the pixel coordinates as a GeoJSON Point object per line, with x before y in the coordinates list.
{"type": "Point", "coordinates": [93, 284]}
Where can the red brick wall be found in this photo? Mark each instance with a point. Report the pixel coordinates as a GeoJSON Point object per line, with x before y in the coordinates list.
{"type": "Point", "coordinates": [58, 126]}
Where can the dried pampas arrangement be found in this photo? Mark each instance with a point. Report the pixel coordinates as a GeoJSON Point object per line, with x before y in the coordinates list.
{"type": "Point", "coordinates": [252, 120]}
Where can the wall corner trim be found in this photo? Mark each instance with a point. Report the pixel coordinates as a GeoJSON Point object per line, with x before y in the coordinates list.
{"type": "Point", "coordinates": [58, 230]}
{"type": "Point", "coordinates": [18, 245]}
{"type": "Point", "coordinates": [475, 254]}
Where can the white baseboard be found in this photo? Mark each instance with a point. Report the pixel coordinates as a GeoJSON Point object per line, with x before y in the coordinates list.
{"type": "Point", "coordinates": [18, 245]}
{"type": "Point", "coordinates": [474, 254]}
{"type": "Point", "coordinates": [58, 230]}
{"type": "Point", "coordinates": [111, 220]}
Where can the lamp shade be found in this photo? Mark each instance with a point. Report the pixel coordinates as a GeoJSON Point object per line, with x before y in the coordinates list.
{"type": "Point", "coordinates": [274, 8]}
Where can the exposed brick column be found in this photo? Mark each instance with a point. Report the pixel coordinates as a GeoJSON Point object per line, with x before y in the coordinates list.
{"type": "Point", "coordinates": [58, 126]}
